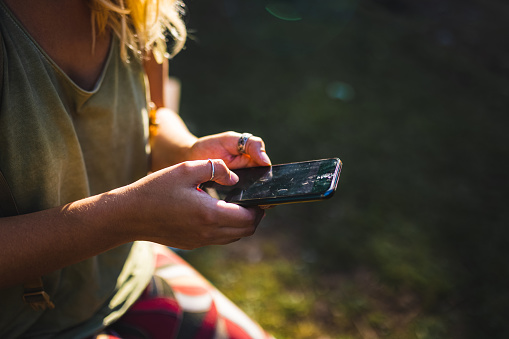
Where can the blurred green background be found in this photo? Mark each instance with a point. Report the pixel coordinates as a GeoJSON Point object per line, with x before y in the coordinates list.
{"type": "Point", "coordinates": [413, 97]}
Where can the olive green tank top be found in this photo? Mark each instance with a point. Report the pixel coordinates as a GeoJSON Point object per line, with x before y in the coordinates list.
{"type": "Point", "coordinates": [60, 143]}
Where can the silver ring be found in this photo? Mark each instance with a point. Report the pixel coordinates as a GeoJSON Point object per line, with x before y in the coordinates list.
{"type": "Point", "coordinates": [241, 144]}
{"type": "Point", "coordinates": [213, 170]}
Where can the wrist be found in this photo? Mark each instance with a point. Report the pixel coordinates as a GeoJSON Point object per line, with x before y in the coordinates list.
{"type": "Point", "coordinates": [110, 213]}
{"type": "Point", "coordinates": [172, 142]}
{"type": "Point", "coordinates": [123, 214]}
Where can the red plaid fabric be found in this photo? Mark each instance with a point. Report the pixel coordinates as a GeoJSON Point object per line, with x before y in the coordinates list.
{"type": "Point", "coordinates": [179, 303]}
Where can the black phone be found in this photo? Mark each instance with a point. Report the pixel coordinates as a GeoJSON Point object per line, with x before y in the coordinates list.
{"type": "Point", "coordinates": [280, 184]}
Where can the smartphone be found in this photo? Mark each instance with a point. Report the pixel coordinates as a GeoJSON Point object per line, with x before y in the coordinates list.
{"type": "Point", "coordinates": [280, 184]}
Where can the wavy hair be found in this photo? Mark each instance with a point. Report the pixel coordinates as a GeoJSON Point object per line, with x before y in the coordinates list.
{"type": "Point", "coordinates": [141, 25]}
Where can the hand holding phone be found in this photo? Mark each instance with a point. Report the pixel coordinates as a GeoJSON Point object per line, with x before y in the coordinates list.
{"type": "Point", "coordinates": [280, 184]}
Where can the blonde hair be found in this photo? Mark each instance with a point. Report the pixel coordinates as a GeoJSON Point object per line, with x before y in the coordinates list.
{"type": "Point", "coordinates": [141, 25]}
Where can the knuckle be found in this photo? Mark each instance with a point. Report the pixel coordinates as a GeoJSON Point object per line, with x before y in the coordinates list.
{"type": "Point", "coordinates": [250, 227]}
{"type": "Point", "coordinates": [256, 139]}
{"type": "Point", "coordinates": [186, 168]}
{"type": "Point", "coordinates": [255, 143]}
{"type": "Point", "coordinates": [208, 217]}
{"type": "Point", "coordinates": [250, 230]}
{"type": "Point", "coordinates": [262, 145]}
{"type": "Point", "coordinates": [206, 236]}
{"type": "Point", "coordinates": [220, 162]}
{"type": "Point", "coordinates": [231, 134]}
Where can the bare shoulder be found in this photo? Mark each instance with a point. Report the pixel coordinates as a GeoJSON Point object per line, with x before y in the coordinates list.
{"type": "Point", "coordinates": [63, 29]}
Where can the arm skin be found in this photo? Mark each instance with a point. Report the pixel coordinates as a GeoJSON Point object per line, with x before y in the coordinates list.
{"type": "Point", "coordinates": [164, 207]}
{"type": "Point", "coordinates": [173, 140]}
{"type": "Point", "coordinates": [174, 143]}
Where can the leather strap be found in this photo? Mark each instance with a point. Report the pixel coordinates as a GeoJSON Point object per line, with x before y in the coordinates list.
{"type": "Point", "coordinates": [34, 293]}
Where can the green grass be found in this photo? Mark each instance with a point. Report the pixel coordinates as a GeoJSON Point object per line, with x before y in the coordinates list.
{"type": "Point", "coordinates": [413, 99]}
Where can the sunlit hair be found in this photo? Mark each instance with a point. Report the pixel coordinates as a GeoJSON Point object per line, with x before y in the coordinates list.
{"type": "Point", "coordinates": [141, 25]}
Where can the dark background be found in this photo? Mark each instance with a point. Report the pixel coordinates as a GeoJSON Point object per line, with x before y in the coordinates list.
{"type": "Point", "coordinates": [413, 97]}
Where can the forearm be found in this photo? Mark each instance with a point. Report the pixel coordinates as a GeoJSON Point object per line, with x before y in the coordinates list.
{"type": "Point", "coordinates": [38, 243]}
{"type": "Point", "coordinates": [172, 142]}
{"type": "Point", "coordinates": [163, 207]}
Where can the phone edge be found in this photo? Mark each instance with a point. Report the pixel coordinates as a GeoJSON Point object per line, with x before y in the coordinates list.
{"type": "Point", "coordinates": [296, 199]}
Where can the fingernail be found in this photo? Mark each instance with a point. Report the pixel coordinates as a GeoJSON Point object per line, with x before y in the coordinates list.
{"type": "Point", "coordinates": [266, 158]}
{"type": "Point", "coordinates": [234, 177]}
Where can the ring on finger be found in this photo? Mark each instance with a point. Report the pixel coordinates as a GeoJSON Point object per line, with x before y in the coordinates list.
{"type": "Point", "coordinates": [213, 173]}
{"type": "Point", "coordinates": [241, 144]}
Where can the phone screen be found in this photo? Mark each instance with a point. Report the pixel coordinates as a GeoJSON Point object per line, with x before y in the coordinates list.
{"type": "Point", "coordinates": [293, 182]}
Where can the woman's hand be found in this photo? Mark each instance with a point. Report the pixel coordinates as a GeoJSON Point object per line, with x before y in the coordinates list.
{"type": "Point", "coordinates": [165, 207]}
{"type": "Point", "coordinates": [173, 144]}
{"type": "Point", "coordinates": [168, 208]}
{"type": "Point", "coordinates": [224, 146]}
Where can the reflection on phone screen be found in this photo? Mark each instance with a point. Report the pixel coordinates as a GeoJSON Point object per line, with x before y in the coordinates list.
{"type": "Point", "coordinates": [281, 181]}
{"type": "Point", "coordinates": [311, 179]}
